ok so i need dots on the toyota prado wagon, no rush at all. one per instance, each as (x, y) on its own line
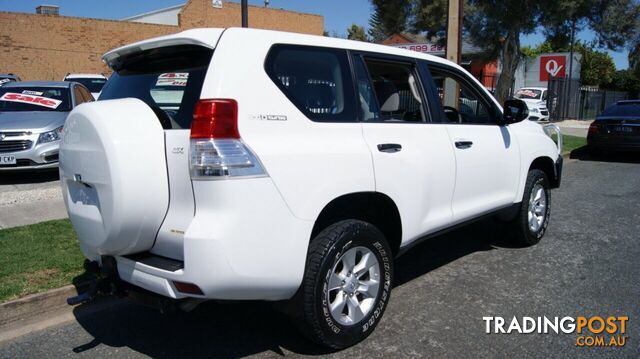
(245, 164)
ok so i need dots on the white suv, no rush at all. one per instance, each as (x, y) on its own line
(246, 164)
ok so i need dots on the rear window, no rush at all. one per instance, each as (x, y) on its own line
(622, 109)
(316, 80)
(34, 99)
(168, 79)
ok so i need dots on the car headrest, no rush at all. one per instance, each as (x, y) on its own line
(319, 97)
(388, 96)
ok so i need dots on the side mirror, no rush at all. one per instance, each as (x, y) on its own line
(514, 111)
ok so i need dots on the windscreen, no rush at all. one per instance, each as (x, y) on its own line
(168, 79)
(34, 99)
(93, 84)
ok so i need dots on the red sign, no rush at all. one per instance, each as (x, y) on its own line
(31, 99)
(552, 66)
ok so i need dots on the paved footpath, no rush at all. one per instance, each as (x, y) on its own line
(586, 265)
(30, 197)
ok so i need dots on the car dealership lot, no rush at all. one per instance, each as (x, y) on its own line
(586, 265)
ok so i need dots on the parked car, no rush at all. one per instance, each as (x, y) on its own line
(617, 128)
(4, 78)
(293, 167)
(94, 82)
(536, 100)
(32, 114)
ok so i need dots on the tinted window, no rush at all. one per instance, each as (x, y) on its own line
(94, 85)
(461, 103)
(168, 79)
(316, 80)
(369, 110)
(35, 99)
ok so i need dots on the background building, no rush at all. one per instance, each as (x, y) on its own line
(46, 46)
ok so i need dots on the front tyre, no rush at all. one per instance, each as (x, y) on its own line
(532, 220)
(347, 283)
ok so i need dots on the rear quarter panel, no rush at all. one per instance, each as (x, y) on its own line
(311, 163)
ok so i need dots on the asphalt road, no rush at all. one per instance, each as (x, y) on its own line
(586, 265)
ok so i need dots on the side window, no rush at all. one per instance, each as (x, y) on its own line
(460, 103)
(392, 94)
(78, 95)
(88, 97)
(316, 80)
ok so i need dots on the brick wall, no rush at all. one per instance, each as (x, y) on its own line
(200, 13)
(43, 47)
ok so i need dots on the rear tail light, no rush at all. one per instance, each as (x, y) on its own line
(216, 148)
(593, 128)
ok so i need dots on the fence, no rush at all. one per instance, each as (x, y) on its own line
(568, 100)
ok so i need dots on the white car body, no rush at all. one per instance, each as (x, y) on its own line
(86, 77)
(130, 191)
(537, 106)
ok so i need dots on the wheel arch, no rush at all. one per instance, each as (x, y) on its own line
(546, 165)
(372, 207)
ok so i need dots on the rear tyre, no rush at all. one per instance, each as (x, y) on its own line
(346, 285)
(532, 219)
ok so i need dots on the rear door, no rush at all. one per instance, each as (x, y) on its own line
(486, 154)
(413, 159)
(169, 80)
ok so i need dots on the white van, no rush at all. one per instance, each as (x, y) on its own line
(291, 167)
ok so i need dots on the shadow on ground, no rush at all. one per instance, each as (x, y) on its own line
(584, 154)
(244, 328)
(25, 177)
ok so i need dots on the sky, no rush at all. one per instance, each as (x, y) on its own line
(338, 14)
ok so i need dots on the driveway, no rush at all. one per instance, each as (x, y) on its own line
(586, 265)
(30, 197)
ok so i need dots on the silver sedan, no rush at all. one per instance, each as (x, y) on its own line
(32, 114)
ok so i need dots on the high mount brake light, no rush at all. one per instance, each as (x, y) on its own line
(216, 149)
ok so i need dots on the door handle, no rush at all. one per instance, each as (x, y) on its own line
(464, 144)
(389, 147)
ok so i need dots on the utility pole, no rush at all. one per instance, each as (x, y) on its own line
(245, 13)
(454, 31)
(453, 51)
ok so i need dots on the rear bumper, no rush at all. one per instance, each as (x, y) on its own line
(614, 144)
(244, 245)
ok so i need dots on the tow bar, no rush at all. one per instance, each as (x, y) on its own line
(105, 281)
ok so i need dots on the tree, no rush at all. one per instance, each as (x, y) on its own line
(496, 26)
(430, 17)
(389, 17)
(625, 80)
(596, 67)
(356, 32)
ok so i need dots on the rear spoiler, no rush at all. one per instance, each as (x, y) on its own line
(200, 37)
